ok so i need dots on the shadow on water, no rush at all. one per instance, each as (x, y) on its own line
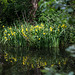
(22, 61)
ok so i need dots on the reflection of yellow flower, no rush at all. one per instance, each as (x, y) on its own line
(11, 61)
(32, 65)
(45, 63)
(40, 58)
(28, 63)
(6, 59)
(64, 62)
(52, 65)
(24, 60)
(3, 26)
(8, 39)
(59, 63)
(38, 66)
(23, 63)
(44, 33)
(15, 59)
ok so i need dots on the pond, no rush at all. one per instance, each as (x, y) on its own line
(23, 61)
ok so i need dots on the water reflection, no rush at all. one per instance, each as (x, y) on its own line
(21, 61)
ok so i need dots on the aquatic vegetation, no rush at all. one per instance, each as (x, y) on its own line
(34, 35)
(10, 58)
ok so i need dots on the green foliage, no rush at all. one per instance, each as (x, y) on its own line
(52, 13)
(39, 36)
(55, 13)
(14, 10)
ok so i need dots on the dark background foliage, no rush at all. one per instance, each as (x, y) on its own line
(12, 10)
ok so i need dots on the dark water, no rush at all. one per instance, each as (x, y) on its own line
(22, 61)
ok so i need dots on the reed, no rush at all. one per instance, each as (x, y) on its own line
(37, 36)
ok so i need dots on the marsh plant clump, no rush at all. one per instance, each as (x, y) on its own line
(30, 35)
